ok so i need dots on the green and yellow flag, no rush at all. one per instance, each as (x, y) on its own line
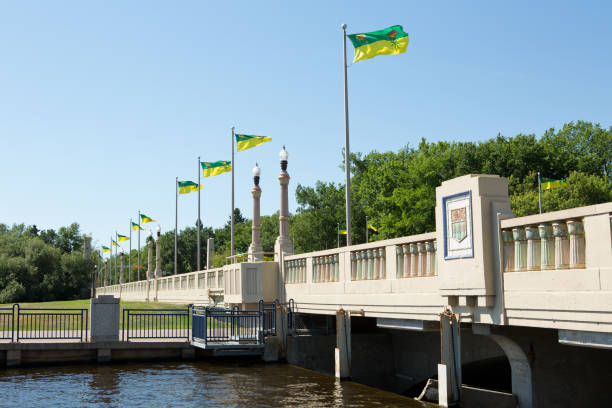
(342, 232)
(122, 238)
(215, 168)
(136, 227)
(392, 40)
(244, 142)
(372, 228)
(115, 243)
(105, 249)
(549, 184)
(186, 187)
(144, 219)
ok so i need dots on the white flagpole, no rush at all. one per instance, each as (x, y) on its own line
(347, 151)
(199, 222)
(130, 255)
(232, 213)
(176, 225)
(138, 244)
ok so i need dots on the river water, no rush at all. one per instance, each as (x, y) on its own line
(218, 383)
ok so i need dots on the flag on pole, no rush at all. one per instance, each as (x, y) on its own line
(210, 169)
(372, 228)
(244, 142)
(342, 232)
(114, 243)
(392, 40)
(105, 249)
(186, 187)
(549, 184)
(136, 227)
(122, 237)
(144, 219)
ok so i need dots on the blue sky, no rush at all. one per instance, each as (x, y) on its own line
(102, 104)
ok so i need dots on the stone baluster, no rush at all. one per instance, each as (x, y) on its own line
(435, 256)
(314, 269)
(561, 245)
(431, 258)
(399, 263)
(359, 265)
(327, 268)
(520, 249)
(353, 266)
(406, 252)
(577, 244)
(370, 256)
(508, 250)
(376, 264)
(547, 259)
(321, 269)
(304, 270)
(383, 263)
(330, 268)
(533, 248)
(422, 258)
(337, 267)
(414, 260)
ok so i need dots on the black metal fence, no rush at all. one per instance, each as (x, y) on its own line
(29, 323)
(228, 325)
(156, 323)
(268, 311)
(7, 318)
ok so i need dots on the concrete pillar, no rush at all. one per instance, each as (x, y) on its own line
(104, 318)
(450, 344)
(210, 252)
(342, 352)
(353, 265)
(561, 245)
(547, 253)
(283, 243)
(255, 249)
(281, 330)
(576, 244)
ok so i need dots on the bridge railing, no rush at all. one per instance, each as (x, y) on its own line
(228, 326)
(156, 324)
(7, 320)
(552, 241)
(406, 257)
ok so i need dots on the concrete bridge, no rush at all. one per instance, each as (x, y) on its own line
(484, 285)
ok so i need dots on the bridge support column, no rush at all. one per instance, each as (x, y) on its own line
(449, 371)
(342, 352)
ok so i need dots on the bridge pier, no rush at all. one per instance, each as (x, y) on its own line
(342, 352)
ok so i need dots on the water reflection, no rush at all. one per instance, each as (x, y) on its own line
(198, 384)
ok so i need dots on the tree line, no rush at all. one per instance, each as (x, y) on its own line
(394, 190)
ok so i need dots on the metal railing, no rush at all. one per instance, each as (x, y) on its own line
(7, 320)
(268, 311)
(49, 324)
(156, 323)
(230, 326)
